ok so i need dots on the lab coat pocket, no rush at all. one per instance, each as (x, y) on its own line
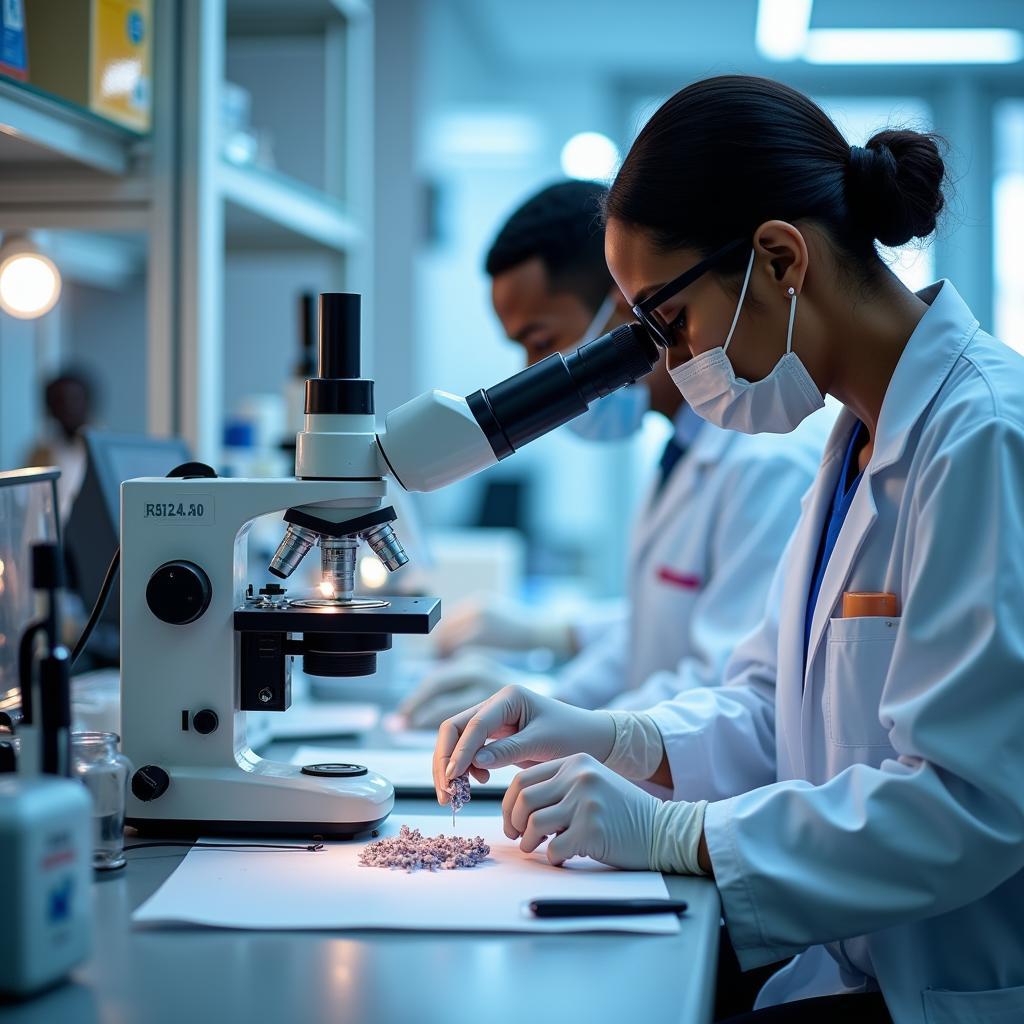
(857, 660)
(997, 1006)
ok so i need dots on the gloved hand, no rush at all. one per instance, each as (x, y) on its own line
(503, 624)
(459, 684)
(587, 809)
(525, 727)
(590, 811)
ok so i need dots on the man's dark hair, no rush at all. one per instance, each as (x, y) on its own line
(562, 226)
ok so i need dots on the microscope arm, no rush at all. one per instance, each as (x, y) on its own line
(438, 438)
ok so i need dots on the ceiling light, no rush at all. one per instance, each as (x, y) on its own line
(782, 28)
(914, 46)
(590, 156)
(29, 281)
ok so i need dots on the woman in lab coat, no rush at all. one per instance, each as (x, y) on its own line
(856, 787)
(707, 537)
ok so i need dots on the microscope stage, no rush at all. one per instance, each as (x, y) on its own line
(401, 615)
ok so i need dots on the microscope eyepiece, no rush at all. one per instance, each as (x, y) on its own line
(615, 359)
(559, 388)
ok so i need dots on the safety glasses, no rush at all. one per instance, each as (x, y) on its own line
(647, 311)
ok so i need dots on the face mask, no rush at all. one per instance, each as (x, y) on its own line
(620, 414)
(775, 405)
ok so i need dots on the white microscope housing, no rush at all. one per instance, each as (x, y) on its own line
(201, 645)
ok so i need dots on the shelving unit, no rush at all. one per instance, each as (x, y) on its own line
(182, 204)
(268, 210)
(35, 128)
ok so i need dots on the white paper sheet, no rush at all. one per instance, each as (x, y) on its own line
(330, 890)
(407, 770)
(310, 719)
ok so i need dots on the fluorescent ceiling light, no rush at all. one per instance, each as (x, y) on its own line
(487, 133)
(914, 46)
(782, 28)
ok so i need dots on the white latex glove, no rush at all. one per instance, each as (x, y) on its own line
(504, 624)
(459, 684)
(587, 809)
(591, 811)
(525, 727)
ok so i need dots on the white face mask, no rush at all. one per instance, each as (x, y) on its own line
(620, 414)
(774, 405)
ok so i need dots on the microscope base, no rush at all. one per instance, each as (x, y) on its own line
(303, 829)
(258, 797)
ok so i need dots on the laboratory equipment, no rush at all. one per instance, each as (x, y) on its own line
(98, 765)
(44, 819)
(202, 645)
(28, 515)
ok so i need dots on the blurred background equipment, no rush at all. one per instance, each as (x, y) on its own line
(94, 526)
(45, 840)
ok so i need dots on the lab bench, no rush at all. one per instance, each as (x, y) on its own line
(188, 975)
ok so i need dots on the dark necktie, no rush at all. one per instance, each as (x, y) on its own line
(673, 452)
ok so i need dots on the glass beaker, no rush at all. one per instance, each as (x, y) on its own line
(104, 771)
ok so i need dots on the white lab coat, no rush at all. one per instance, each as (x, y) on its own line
(876, 803)
(701, 559)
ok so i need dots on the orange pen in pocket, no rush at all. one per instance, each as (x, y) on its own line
(865, 604)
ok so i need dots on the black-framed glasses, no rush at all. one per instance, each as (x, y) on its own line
(647, 311)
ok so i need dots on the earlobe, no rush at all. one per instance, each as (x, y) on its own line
(786, 252)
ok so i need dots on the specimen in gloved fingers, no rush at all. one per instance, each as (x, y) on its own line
(458, 789)
(411, 850)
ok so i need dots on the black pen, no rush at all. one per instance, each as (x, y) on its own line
(604, 908)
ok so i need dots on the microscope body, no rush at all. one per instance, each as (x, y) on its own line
(187, 683)
(201, 647)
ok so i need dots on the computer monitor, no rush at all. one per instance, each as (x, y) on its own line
(94, 526)
(28, 515)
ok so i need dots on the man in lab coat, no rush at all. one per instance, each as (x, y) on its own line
(708, 534)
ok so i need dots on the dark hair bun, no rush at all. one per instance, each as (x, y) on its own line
(894, 185)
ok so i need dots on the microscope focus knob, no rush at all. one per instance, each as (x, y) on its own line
(149, 782)
(178, 592)
(204, 722)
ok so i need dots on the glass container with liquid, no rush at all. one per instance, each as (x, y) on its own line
(104, 771)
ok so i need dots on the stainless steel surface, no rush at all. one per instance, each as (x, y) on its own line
(196, 975)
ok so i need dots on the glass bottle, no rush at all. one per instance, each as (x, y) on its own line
(104, 771)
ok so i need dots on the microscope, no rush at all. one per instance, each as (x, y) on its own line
(202, 645)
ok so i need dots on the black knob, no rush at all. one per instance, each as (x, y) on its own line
(178, 592)
(149, 782)
(205, 721)
(272, 590)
